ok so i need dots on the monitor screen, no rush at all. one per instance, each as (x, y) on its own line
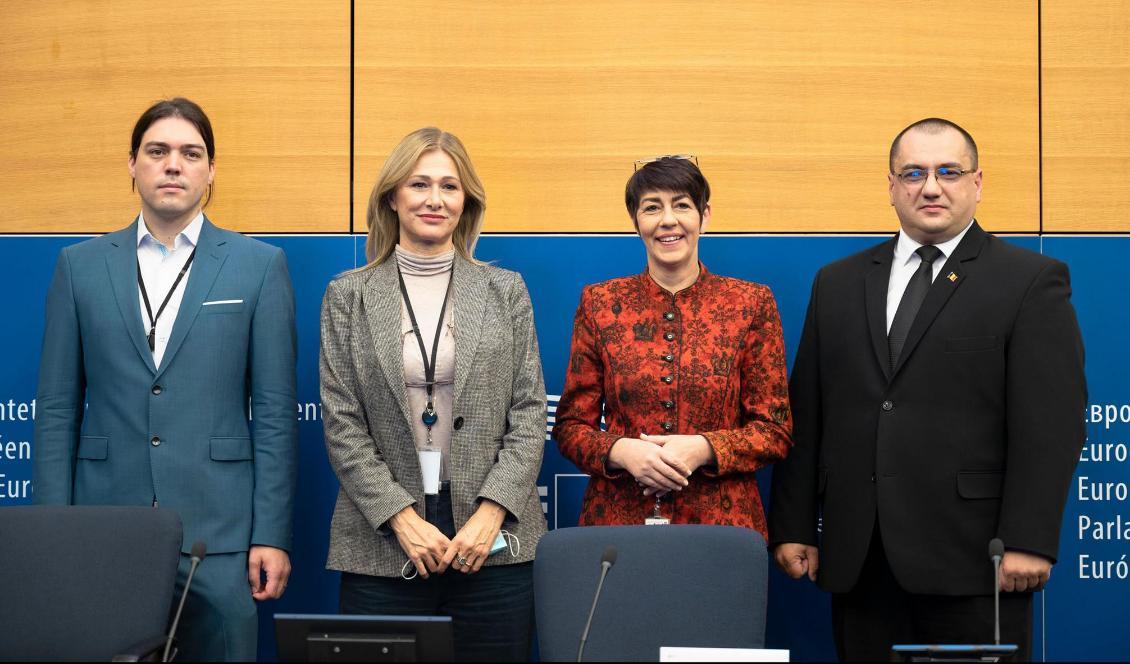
(350, 638)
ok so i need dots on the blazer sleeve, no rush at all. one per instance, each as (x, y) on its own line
(765, 433)
(355, 457)
(273, 353)
(795, 490)
(1046, 396)
(59, 395)
(512, 478)
(577, 423)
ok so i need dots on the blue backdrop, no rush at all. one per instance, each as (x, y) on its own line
(1081, 615)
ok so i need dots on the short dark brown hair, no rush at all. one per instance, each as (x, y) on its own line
(678, 176)
(177, 107)
(933, 126)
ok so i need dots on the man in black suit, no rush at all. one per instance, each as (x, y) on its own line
(938, 398)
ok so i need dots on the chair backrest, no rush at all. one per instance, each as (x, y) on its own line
(84, 583)
(690, 586)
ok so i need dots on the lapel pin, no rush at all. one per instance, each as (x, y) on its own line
(952, 276)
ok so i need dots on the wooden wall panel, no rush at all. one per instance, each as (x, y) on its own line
(1086, 115)
(76, 74)
(790, 107)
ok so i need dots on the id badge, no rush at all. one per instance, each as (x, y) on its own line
(657, 521)
(429, 469)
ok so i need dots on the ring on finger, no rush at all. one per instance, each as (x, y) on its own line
(462, 560)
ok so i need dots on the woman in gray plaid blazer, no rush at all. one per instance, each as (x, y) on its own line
(434, 412)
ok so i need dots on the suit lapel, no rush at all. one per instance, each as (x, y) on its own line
(875, 286)
(468, 309)
(122, 264)
(949, 279)
(382, 303)
(211, 252)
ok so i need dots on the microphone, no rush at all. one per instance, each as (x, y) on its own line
(198, 552)
(996, 552)
(606, 562)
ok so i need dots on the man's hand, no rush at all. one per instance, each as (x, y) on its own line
(798, 559)
(1024, 571)
(422, 542)
(269, 563)
(653, 466)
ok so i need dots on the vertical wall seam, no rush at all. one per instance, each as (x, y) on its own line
(352, 37)
(1040, 112)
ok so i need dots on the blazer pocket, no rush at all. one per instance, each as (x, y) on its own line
(231, 449)
(979, 484)
(93, 447)
(221, 308)
(972, 344)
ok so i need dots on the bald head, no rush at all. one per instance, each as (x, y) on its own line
(934, 126)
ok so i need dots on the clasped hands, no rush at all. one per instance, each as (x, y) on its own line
(431, 551)
(661, 463)
(1020, 571)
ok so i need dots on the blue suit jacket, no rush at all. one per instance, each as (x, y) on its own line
(181, 434)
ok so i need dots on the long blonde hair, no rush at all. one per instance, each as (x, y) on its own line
(384, 224)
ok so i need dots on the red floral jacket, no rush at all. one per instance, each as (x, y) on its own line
(707, 360)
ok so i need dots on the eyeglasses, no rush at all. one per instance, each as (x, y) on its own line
(920, 175)
(639, 163)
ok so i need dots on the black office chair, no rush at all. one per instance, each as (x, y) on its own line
(688, 586)
(86, 583)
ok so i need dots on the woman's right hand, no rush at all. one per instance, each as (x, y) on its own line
(422, 542)
(651, 465)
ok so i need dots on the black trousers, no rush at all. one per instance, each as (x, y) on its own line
(878, 614)
(492, 610)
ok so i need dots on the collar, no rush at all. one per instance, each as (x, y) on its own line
(650, 286)
(190, 236)
(905, 246)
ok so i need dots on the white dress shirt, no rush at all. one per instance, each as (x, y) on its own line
(905, 264)
(159, 269)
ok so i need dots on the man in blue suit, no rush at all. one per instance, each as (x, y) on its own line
(162, 341)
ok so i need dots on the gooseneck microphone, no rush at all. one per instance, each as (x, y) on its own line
(198, 552)
(606, 562)
(996, 552)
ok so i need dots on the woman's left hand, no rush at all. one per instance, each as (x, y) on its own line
(470, 547)
(694, 451)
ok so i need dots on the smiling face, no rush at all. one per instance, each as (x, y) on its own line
(934, 211)
(669, 225)
(172, 170)
(428, 203)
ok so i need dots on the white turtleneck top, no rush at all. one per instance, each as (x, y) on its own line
(425, 279)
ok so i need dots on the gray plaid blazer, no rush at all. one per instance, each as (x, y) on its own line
(499, 393)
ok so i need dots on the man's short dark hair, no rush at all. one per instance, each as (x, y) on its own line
(177, 107)
(934, 126)
(678, 176)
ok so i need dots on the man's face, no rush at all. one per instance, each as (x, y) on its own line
(172, 169)
(934, 210)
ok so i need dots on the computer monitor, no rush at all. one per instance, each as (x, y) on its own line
(351, 638)
(953, 653)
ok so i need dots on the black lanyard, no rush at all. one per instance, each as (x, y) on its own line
(429, 416)
(152, 336)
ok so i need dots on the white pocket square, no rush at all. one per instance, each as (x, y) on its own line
(222, 302)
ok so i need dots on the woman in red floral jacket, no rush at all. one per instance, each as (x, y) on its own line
(687, 368)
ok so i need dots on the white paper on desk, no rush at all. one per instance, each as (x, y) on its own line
(429, 468)
(668, 654)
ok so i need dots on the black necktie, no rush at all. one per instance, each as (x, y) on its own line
(911, 300)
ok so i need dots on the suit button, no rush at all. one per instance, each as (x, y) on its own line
(156, 389)
(872, 478)
(670, 315)
(667, 426)
(669, 336)
(888, 405)
(154, 441)
(667, 379)
(457, 424)
(668, 404)
(668, 358)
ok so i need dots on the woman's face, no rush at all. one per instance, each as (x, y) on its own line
(669, 225)
(428, 203)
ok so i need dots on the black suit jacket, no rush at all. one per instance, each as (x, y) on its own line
(973, 435)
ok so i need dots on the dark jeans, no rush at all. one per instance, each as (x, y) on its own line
(492, 611)
(878, 613)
